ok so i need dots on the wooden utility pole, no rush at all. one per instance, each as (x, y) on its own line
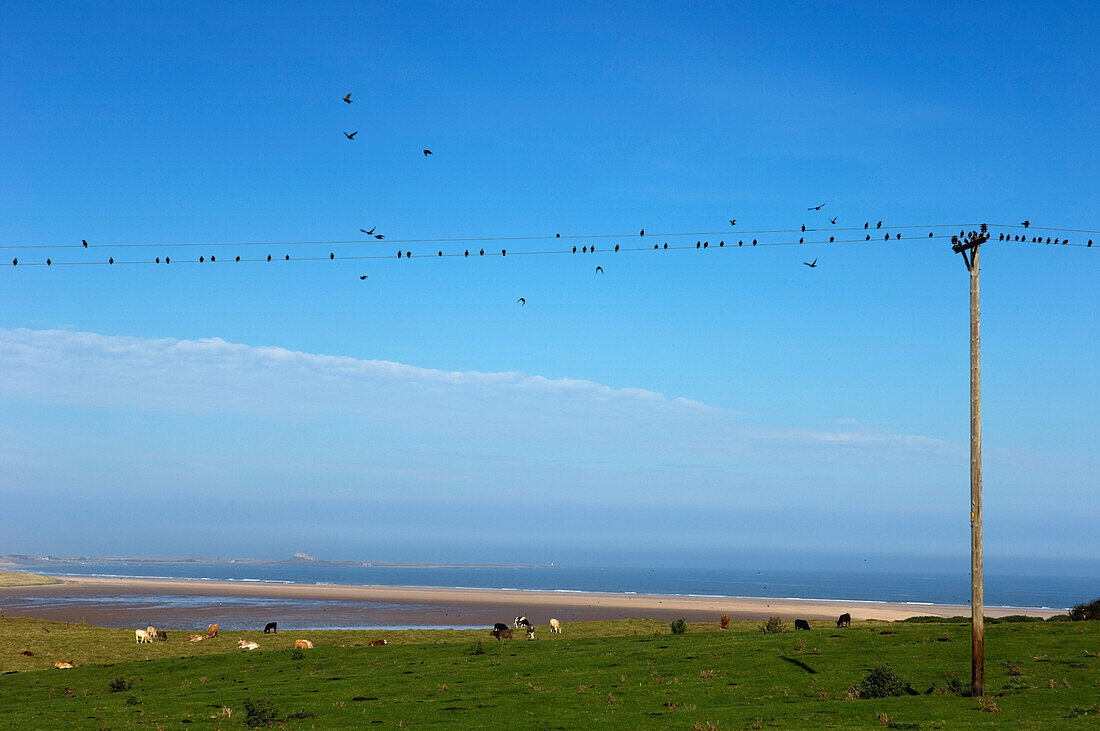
(977, 601)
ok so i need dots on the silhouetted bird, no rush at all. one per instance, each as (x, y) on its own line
(211, 257)
(833, 219)
(379, 236)
(887, 237)
(362, 277)
(1002, 237)
(200, 260)
(467, 254)
(879, 225)
(868, 237)
(599, 269)
(811, 265)
(706, 244)
(557, 236)
(287, 257)
(832, 239)
(167, 260)
(1089, 244)
(237, 259)
(616, 247)
(666, 245)
(816, 208)
(15, 261)
(427, 152)
(504, 252)
(655, 247)
(331, 256)
(574, 249)
(721, 243)
(929, 234)
(439, 253)
(866, 224)
(801, 240)
(348, 98)
(111, 260)
(522, 302)
(351, 135)
(733, 221)
(803, 228)
(584, 249)
(754, 242)
(698, 244)
(642, 232)
(399, 252)
(368, 233)
(1025, 224)
(481, 253)
(741, 243)
(269, 257)
(48, 262)
(85, 242)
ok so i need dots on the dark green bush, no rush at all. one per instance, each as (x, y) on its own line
(1085, 612)
(679, 627)
(260, 713)
(773, 626)
(477, 648)
(297, 654)
(881, 682)
(120, 684)
(133, 701)
(1058, 618)
(1013, 618)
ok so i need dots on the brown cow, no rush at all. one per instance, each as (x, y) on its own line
(162, 635)
(502, 634)
(62, 665)
(212, 631)
(724, 623)
(195, 638)
(376, 643)
(303, 645)
(844, 621)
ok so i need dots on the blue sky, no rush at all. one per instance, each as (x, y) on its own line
(683, 405)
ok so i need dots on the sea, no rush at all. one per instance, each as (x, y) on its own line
(1053, 591)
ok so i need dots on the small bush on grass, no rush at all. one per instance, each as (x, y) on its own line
(260, 713)
(1059, 618)
(477, 648)
(1085, 612)
(881, 682)
(773, 626)
(120, 684)
(297, 654)
(133, 701)
(679, 627)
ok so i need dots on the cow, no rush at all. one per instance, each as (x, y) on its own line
(212, 631)
(162, 635)
(376, 643)
(27, 653)
(801, 624)
(141, 636)
(724, 622)
(62, 665)
(243, 644)
(844, 621)
(521, 621)
(195, 638)
(271, 627)
(530, 632)
(555, 626)
(500, 625)
(303, 645)
(502, 634)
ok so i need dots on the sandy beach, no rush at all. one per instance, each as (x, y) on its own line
(180, 604)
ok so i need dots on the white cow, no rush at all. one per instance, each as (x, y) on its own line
(555, 626)
(141, 635)
(242, 644)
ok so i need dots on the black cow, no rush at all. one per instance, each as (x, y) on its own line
(801, 624)
(500, 626)
(502, 634)
(271, 627)
(162, 635)
(844, 621)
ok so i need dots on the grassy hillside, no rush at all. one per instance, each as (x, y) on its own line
(614, 674)
(22, 578)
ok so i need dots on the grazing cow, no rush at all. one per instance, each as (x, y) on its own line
(195, 638)
(303, 645)
(724, 623)
(212, 631)
(151, 630)
(62, 665)
(376, 643)
(271, 627)
(844, 621)
(801, 624)
(243, 644)
(27, 653)
(530, 632)
(161, 635)
(502, 634)
(141, 636)
(555, 626)
(500, 625)
(521, 621)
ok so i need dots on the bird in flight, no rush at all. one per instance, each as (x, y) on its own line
(522, 302)
(368, 233)
(351, 135)
(811, 265)
(362, 277)
(816, 208)
(733, 221)
(1025, 224)
(599, 269)
(379, 236)
(347, 98)
(85, 242)
(833, 219)
(427, 152)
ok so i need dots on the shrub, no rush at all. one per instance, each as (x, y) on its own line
(679, 627)
(477, 648)
(119, 685)
(1059, 618)
(297, 654)
(1085, 612)
(773, 625)
(260, 713)
(133, 701)
(881, 682)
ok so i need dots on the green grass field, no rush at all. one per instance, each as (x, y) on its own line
(22, 578)
(626, 674)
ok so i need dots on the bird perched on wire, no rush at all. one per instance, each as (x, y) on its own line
(347, 98)
(812, 264)
(351, 135)
(1025, 224)
(642, 232)
(816, 208)
(85, 242)
(522, 302)
(879, 225)
(427, 152)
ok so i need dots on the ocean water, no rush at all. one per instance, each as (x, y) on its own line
(1050, 591)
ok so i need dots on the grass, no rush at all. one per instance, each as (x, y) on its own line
(22, 578)
(628, 674)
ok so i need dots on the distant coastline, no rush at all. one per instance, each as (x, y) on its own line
(30, 561)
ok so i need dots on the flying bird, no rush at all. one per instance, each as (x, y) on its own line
(368, 233)
(733, 221)
(599, 269)
(348, 98)
(362, 277)
(522, 302)
(833, 219)
(379, 236)
(811, 265)
(351, 135)
(815, 208)
(427, 152)
(85, 242)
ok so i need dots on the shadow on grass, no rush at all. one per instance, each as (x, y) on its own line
(800, 664)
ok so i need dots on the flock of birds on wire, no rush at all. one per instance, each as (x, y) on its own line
(372, 232)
